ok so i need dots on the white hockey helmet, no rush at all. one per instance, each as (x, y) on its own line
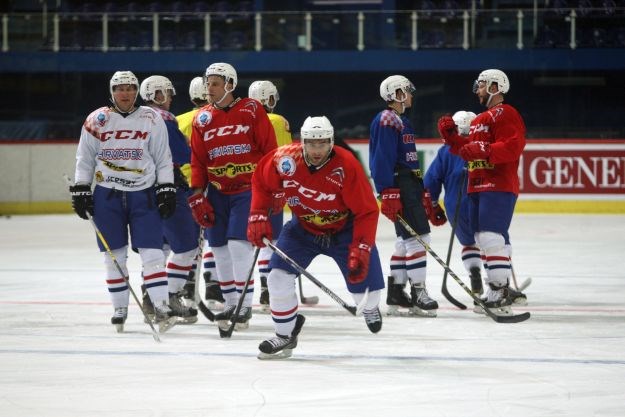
(263, 91)
(224, 70)
(314, 129)
(389, 87)
(155, 83)
(491, 76)
(197, 90)
(123, 78)
(463, 121)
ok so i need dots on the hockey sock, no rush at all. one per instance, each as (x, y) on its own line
(416, 259)
(118, 289)
(208, 261)
(225, 273)
(497, 257)
(154, 275)
(243, 252)
(283, 301)
(373, 299)
(177, 269)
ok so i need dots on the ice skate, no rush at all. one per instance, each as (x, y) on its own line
(517, 297)
(243, 319)
(396, 297)
(423, 305)
(148, 307)
(498, 300)
(223, 317)
(264, 295)
(188, 292)
(187, 314)
(119, 318)
(281, 347)
(213, 291)
(373, 318)
(163, 317)
(476, 281)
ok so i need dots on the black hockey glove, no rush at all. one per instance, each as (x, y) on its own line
(166, 200)
(82, 200)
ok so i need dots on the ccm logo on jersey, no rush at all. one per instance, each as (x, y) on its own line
(307, 192)
(225, 131)
(122, 134)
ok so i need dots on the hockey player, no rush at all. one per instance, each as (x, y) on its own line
(199, 97)
(228, 138)
(267, 94)
(492, 149)
(180, 230)
(334, 214)
(397, 177)
(126, 148)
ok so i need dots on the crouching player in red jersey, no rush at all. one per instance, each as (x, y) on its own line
(493, 149)
(334, 213)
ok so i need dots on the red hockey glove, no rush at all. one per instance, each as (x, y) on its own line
(202, 210)
(391, 204)
(279, 200)
(475, 150)
(435, 213)
(358, 262)
(448, 131)
(258, 227)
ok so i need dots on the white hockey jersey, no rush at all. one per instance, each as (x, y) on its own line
(126, 153)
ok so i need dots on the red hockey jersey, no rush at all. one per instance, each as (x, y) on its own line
(502, 127)
(322, 200)
(226, 145)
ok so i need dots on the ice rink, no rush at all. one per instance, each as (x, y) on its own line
(60, 357)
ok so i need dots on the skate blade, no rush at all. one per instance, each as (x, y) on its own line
(394, 310)
(119, 328)
(242, 326)
(417, 312)
(283, 354)
(165, 325)
(188, 320)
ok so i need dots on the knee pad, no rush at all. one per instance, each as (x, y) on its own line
(121, 255)
(492, 243)
(184, 258)
(153, 260)
(414, 246)
(281, 284)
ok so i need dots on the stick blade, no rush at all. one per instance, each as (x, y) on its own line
(206, 311)
(310, 300)
(517, 318)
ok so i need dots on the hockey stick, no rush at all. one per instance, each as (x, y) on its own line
(306, 300)
(196, 296)
(352, 309)
(119, 268)
(444, 290)
(499, 319)
(233, 319)
(524, 284)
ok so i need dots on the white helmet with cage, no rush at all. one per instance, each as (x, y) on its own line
(224, 70)
(197, 90)
(463, 121)
(315, 129)
(263, 91)
(154, 83)
(491, 76)
(389, 87)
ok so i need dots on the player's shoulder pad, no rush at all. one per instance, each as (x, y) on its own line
(97, 119)
(389, 118)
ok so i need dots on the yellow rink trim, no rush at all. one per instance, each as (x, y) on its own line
(522, 206)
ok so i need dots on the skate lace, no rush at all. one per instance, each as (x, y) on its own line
(176, 304)
(277, 342)
(372, 316)
(422, 295)
(494, 295)
(120, 312)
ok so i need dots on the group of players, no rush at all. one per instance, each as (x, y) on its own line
(223, 172)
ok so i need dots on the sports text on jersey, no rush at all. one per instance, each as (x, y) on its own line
(225, 131)
(322, 220)
(307, 192)
(480, 164)
(123, 154)
(232, 170)
(229, 150)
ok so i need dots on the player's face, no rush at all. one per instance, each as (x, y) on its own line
(216, 87)
(317, 150)
(163, 100)
(482, 92)
(124, 96)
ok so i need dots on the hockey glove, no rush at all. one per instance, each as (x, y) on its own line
(435, 213)
(258, 226)
(391, 203)
(202, 210)
(358, 262)
(82, 200)
(279, 200)
(475, 150)
(448, 131)
(166, 200)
